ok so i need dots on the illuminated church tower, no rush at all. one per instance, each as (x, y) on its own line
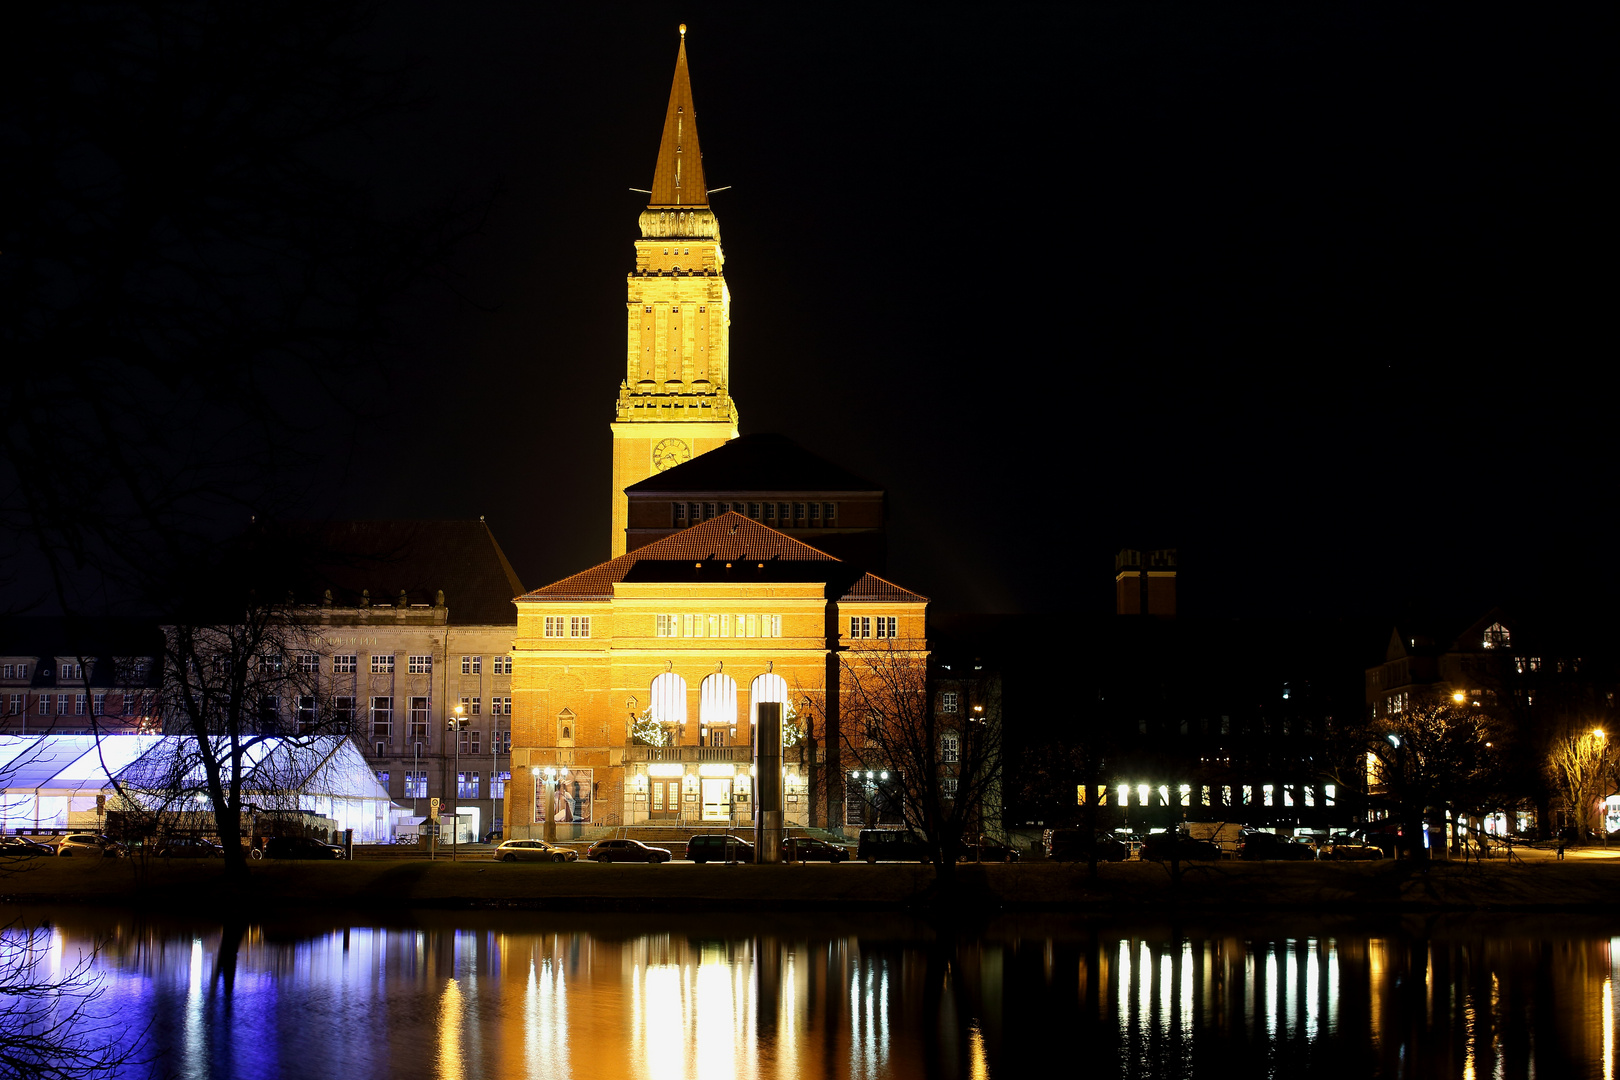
(674, 402)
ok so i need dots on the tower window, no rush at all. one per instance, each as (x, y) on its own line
(770, 511)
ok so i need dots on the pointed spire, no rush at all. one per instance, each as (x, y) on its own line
(678, 179)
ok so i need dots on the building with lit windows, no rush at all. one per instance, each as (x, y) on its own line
(636, 682)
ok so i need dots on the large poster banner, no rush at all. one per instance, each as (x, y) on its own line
(569, 801)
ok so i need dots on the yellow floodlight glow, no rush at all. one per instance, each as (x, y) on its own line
(1459, 697)
(666, 770)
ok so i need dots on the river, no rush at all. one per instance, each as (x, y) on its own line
(455, 996)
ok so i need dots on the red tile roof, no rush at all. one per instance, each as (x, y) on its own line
(871, 587)
(731, 537)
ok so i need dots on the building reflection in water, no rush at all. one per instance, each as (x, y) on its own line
(609, 998)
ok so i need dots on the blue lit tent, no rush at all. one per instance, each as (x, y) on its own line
(53, 781)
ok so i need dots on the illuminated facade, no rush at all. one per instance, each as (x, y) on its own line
(674, 402)
(636, 681)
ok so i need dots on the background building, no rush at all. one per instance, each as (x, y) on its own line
(66, 677)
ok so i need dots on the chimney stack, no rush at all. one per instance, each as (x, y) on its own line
(1145, 582)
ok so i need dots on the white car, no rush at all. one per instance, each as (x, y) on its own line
(534, 851)
(81, 844)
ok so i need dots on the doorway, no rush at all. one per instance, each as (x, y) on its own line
(716, 799)
(666, 797)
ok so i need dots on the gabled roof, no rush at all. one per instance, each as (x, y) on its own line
(873, 588)
(678, 177)
(731, 537)
(421, 558)
(755, 463)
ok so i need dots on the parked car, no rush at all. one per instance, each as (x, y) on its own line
(1075, 845)
(626, 851)
(809, 849)
(534, 851)
(719, 847)
(1264, 845)
(187, 847)
(891, 845)
(82, 844)
(300, 847)
(20, 847)
(1162, 847)
(988, 851)
(1344, 846)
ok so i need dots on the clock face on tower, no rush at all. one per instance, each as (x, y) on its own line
(670, 453)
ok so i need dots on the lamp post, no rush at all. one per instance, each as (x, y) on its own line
(549, 831)
(456, 725)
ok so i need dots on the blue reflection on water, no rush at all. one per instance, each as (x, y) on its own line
(724, 997)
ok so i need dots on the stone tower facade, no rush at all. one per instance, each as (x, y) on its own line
(674, 402)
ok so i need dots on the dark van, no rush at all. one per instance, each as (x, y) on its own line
(891, 845)
(719, 847)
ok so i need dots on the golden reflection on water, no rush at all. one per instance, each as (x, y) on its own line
(555, 1004)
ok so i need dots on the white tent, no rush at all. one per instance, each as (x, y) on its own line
(53, 781)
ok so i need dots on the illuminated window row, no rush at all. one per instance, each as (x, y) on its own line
(1244, 794)
(568, 626)
(785, 515)
(724, 626)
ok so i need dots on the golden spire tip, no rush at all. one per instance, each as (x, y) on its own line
(683, 29)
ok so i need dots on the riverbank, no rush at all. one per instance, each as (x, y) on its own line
(378, 884)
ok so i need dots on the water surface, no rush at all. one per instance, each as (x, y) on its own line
(723, 996)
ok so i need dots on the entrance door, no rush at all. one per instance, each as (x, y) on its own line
(666, 797)
(716, 799)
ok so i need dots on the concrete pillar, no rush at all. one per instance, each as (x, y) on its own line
(768, 783)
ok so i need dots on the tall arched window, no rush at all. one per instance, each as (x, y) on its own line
(767, 687)
(719, 701)
(669, 699)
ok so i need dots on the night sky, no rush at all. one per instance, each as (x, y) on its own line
(1320, 295)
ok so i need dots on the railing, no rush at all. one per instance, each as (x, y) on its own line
(792, 755)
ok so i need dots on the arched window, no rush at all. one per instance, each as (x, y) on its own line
(767, 687)
(669, 699)
(719, 701)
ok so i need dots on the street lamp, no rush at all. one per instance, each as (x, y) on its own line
(457, 725)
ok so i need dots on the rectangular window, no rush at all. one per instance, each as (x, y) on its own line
(860, 626)
(947, 701)
(579, 626)
(477, 737)
(470, 704)
(419, 718)
(669, 626)
(770, 511)
(503, 665)
(420, 665)
(467, 786)
(556, 626)
(497, 784)
(382, 780)
(100, 704)
(19, 704)
(753, 510)
(714, 626)
(45, 704)
(776, 625)
(501, 706)
(382, 717)
(680, 514)
(416, 785)
(828, 514)
(506, 742)
(306, 714)
(753, 625)
(9, 670)
(343, 709)
(345, 665)
(708, 511)
(1268, 792)
(815, 515)
(949, 748)
(725, 626)
(798, 513)
(1329, 791)
(886, 625)
(382, 663)
(686, 624)
(947, 787)
(309, 663)
(474, 665)
(78, 704)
